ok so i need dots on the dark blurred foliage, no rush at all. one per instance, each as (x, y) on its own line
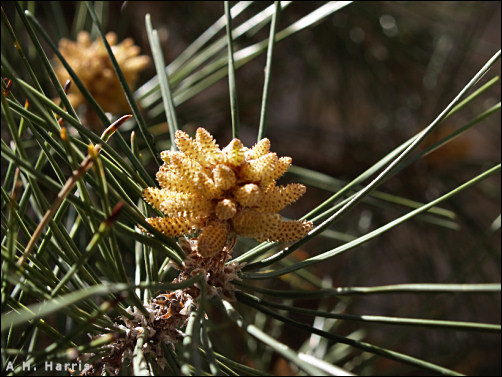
(343, 94)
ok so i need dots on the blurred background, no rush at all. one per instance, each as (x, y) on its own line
(343, 94)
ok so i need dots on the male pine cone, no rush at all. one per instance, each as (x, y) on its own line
(223, 193)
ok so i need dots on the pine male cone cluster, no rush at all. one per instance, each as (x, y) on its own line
(223, 193)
